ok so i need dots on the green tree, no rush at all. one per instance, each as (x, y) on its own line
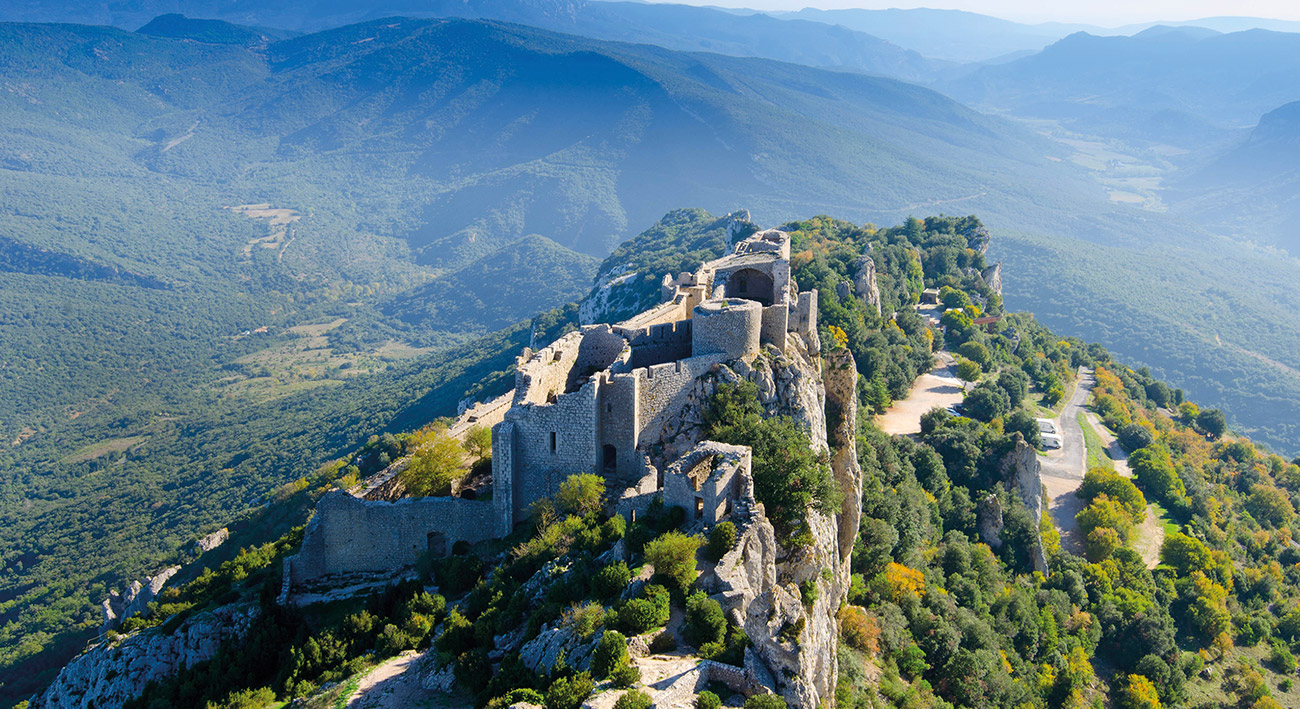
(1105, 512)
(1212, 421)
(436, 461)
(672, 555)
(986, 402)
(1102, 481)
(968, 371)
(1015, 383)
(609, 655)
(478, 441)
(581, 494)
(977, 353)
(569, 692)
(790, 477)
(721, 539)
(1269, 505)
(705, 622)
(1154, 470)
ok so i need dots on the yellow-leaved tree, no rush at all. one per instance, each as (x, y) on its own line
(437, 460)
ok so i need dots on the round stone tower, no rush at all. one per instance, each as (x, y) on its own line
(728, 326)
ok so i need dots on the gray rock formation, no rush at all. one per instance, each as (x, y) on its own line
(864, 281)
(110, 673)
(989, 518)
(758, 581)
(1020, 471)
(212, 541)
(118, 607)
(541, 653)
(992, 277)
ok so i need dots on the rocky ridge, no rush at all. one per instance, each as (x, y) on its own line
(113, 672)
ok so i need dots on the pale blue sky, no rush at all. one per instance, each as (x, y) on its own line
(1102, 12)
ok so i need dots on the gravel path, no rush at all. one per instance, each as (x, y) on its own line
(391, 686)
(938, 387)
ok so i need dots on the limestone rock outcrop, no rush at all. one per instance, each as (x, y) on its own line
(1021, 472)
(211, 541)
(864, 281)
(795, 645)
(110, 673)
(992, 277)
(118, 607)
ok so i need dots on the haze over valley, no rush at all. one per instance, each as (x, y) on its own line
(239, 239)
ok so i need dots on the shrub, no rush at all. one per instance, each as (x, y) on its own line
(584, 619)
(581, 494)
(614, 529)
(638, 615)
(611, 580)
(705, 622)
(625, 675)
(658, 595)
(435, 462)
(634, 699)
(393, 641)
(765, 701)
(569, 692)
(707, 700)
(673, 556)
(525, 696)
(609, 655)
(721, 540)
(808, 592)
(859, 630)
(473, 670)
(1134, 436)
(663, 642)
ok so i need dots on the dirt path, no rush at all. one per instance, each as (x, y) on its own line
(938, 387)
(392, 686)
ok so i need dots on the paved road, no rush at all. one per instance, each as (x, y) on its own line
(1063, 469)
(938, 387)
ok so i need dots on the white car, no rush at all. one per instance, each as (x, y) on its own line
(1046, 426)
(1051, 442)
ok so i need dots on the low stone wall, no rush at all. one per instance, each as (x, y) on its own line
(349, 535)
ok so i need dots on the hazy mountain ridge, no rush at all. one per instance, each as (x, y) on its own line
(1113, 85)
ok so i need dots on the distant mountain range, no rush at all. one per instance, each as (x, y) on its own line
(1181, 86)
(680, 27)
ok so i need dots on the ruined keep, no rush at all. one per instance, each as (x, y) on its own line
(625, 401)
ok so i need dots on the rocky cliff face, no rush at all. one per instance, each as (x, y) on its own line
(118, 607)
(993, 277)
(109, 674)
(864, 281)
(1020, 471)
(795, 643)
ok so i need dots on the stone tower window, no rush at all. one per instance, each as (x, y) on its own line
(552, 441)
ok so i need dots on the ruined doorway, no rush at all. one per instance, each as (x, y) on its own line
(750, 284)
(437, 542)
(610, 459)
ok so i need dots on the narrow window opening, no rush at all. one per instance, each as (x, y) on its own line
(552, 441)
(699, 507)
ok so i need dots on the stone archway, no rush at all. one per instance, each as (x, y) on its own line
(750, 284)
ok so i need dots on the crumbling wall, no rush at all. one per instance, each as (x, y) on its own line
(550, 443)
(717, 488)
(656, 344)
(348, 535)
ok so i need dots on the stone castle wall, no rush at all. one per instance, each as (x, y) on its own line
(349, 535)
